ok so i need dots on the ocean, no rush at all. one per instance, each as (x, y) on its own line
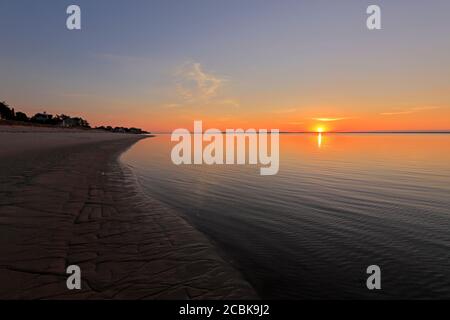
(339, 203)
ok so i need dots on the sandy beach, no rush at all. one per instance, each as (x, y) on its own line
(65, 199)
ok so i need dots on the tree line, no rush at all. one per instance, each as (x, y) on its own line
(62, 120)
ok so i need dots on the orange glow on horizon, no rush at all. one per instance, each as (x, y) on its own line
(162, 122)
(304, 120)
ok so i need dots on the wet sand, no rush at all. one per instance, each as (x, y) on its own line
(65, 199)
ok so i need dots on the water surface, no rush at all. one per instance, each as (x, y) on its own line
(337, 205)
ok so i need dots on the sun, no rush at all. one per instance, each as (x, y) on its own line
(320, 129)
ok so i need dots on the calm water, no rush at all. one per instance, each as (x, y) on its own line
(333, 209)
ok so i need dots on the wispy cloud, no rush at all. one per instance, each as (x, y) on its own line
(331, 119)
(196, 86)
(194, 83)
(173, 105)
(409, 111)
(230, 102)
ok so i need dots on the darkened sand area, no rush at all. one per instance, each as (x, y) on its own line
(65, 199)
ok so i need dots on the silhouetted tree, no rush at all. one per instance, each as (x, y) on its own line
(5, 112)
(44, 118)
(20, 116)
(8, 113)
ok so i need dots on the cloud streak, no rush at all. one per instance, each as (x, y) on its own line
(331, 119)
(408, 111)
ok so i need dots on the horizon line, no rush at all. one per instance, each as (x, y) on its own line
(337, 132)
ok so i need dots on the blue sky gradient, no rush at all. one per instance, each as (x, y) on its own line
(267, 56)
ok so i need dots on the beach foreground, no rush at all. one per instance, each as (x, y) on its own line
(66, 200)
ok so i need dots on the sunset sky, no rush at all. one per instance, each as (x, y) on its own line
(292, 65)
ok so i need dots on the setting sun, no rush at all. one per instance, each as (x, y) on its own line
(320, 129)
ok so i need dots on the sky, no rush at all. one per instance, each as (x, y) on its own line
(288, 65)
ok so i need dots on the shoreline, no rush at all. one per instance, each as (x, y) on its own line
(67, 199)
